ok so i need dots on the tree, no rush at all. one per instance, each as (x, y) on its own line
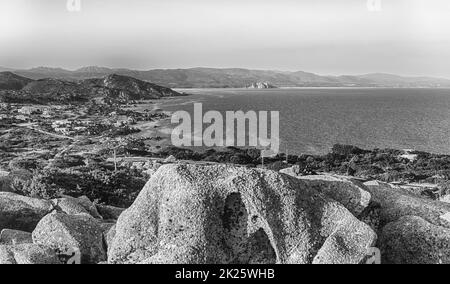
(115, 144)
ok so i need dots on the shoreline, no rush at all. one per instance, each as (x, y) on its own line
(309, 88)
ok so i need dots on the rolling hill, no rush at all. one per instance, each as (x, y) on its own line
(125, 88)
(111, 88)
(11, 81)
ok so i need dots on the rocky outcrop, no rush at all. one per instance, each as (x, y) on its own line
(261, 85)
(396, 203)
(14, 237)
(211, 213)
(412, 229)
(412, 240)
(353, 195)
(22, 213)
(27, 254)
(63, 233)
(195, 214)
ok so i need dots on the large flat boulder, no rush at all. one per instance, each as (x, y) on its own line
(22, 213)
(194, 214)
(27, 254)
(352, 194)
(412, 240)
(65, 233)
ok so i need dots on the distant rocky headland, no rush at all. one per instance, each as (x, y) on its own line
(261, 85)
(235, 77)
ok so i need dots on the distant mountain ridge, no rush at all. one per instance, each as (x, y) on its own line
(235, 77)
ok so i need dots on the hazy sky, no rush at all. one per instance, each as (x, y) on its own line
(410, 37)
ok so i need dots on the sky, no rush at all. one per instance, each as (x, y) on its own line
(328, 37)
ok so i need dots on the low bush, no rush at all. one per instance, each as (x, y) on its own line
(110, 187)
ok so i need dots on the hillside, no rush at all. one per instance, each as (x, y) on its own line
(127, 88)
(45, 91)
(11, 81)
(55, 86)
(48, 91)
(237, 78)
(112, 88)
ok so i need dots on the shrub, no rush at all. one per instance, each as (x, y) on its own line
(113, 188)
(25, 164)
(347, 150)
(254, 154)
(239, 159)
(278, 166)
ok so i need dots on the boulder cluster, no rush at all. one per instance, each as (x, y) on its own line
(35, 231)
(224, 214)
